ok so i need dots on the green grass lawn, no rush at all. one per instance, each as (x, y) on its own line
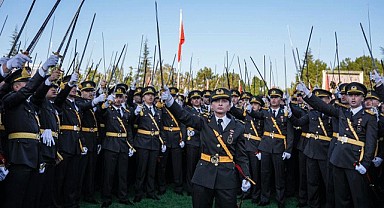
(170, 200)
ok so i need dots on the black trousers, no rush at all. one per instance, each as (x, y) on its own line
(89, 178)
(303, 194)
(146, 169)
(202, 197)
(317, 173)
(351, 190)
(45, 187)
(19, 187)
(83, 161)
(271, 162)
(67, 177)
(255, 171)
(115, 161)
(176, 158)
(193, 155)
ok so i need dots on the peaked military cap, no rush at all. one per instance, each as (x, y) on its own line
(138, 91)
(194, 94)
(356, 88)
(246, 95)
(275, 92)
(87, 85)
(149, 90)
(342, 88)
(173, 91)
(21, 75)
(207, 93)
(371, 94)
(258, 100)
(322, 93)
(220, 93)
(235, 93)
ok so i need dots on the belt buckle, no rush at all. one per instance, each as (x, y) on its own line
(316, 136)
(344, 139)
(91, 129)
(272, 135)
(76, 128)
(170, 129)
(119, 135)
(308, 135)
(215, 159)
(38, 136)
(249, 136)
(152, 133)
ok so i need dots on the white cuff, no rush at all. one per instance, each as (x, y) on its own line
(41, 72)
(169, 103)
(47, 82)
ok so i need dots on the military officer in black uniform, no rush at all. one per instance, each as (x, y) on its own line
(192, 140)
(206, 106)
(23, 128)
(49, 127)
(117, 147)
(89, 130)
(173, 139)
(148, 141)
(69, 144)
(222, 147)
(253, 131)
(316, 148)
(355, 145)
(275, 146)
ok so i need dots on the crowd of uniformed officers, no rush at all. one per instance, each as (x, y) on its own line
(62, 139)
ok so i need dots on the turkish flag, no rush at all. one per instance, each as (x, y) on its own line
(181, 37)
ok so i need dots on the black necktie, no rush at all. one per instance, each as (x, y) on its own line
(150, 109)
(119, 112)
(274, 113)
(219, 122)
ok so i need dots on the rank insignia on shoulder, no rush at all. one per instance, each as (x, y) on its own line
(341, 105)
(265, 108)
(370, 112)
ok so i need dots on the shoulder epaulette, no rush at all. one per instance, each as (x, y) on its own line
(370, 112)
(341, 105)
(265, 108)
(381, 114)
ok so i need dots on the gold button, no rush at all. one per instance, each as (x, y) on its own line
(218, 145)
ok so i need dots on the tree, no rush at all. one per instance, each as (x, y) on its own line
(13, 40)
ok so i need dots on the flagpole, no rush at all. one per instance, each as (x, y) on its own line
(181, 41)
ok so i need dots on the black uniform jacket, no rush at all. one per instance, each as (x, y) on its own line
(195, 139)
(272, 144)
(316, 148)
(144, 122)
(89, 124)
(224, 175)
(365, 125)
(116, 123)
(21, 116)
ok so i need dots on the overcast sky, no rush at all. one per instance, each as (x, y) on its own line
(212, 27)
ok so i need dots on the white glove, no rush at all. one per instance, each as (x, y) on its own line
(74, 78)
(85, 150)
(182, 144)
(302, 88)
(133, 85)
(18, 61)
(138, 109)
(186, 93)
(4, 60)
(48, 138)
(190, 133)
(51, 61)
(42, 168)
(111, 98)
(361, 169)
(245, 185)
(166, 96)
(286, 155)
(98, 99)
(258, 155)
(377, 161)
(98, 148)
(249, 108)
(3, 172)
(163, 148)
(130, 152)
(375, 77)
(288, 110)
